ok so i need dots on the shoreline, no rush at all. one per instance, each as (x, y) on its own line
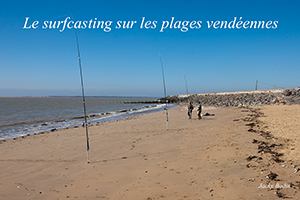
(39, 127)
(137, 158)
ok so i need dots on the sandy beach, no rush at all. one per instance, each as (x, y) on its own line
(137, 158)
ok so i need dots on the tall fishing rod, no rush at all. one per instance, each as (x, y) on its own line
(165, 92)
(83, 98)
(186, 86)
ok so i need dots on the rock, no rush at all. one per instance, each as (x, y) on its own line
(242, 99)
(287, 92)
(272, 176)
(296, 91)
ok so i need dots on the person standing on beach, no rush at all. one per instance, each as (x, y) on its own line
(199, 110)
(190, 110)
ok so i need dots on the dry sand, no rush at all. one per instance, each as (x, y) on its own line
(137, 158)
(284, 122)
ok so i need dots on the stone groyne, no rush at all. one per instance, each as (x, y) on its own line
(242, 98)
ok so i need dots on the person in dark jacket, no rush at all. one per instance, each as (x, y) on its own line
(190, 110)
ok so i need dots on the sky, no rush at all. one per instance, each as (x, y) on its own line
(37, 60)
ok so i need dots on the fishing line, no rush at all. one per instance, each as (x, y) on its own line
(62, 16)
(165, 92)
(83, 98)
(270, 85)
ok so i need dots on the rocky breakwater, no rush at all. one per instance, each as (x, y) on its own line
(245, 98)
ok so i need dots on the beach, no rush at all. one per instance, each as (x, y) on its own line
(138, 158)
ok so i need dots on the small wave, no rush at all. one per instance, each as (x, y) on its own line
(23, 129)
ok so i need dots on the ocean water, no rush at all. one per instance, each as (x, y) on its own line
(22, 116)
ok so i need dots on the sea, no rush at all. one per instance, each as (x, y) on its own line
(21, 116)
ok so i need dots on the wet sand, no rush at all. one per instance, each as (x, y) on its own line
(137, 158)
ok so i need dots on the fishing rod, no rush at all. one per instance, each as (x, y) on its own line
(165, 92)
(186, 86)
(83, 98)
